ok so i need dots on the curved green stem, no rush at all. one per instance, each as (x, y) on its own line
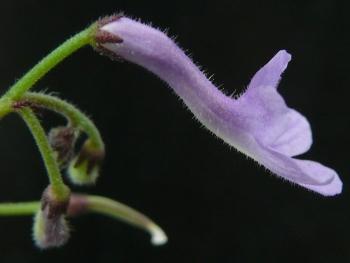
(59, 189)
(112, 208)
(5, 107)
(50, 61)
(94, 204)
(73, 114)
(19, 209)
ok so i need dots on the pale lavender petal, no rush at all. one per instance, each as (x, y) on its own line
(334, 188)
(270, 74)
(309, 174)
(288, 131)
(259, 123)
(291, 135)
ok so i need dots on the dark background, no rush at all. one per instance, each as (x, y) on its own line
(214, 204)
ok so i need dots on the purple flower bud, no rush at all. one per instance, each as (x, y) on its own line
(259, 123)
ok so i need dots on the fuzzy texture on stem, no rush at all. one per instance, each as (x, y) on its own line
(75, 117)
(50, 61)
(258, 123)
(84, 168)
(60, 190)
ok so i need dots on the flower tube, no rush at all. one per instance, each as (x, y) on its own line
(258, 123)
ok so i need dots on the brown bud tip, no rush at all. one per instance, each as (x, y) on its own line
(93, 156)
(102, 37)
(51, 206)
(62, 140)
(84, 169)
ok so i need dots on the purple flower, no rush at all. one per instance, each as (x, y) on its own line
(258, 123)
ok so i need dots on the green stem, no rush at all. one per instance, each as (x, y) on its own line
(59, 189)
(50, 61)
(117, 210)
(19, 209)
(74, 115)
(94, 204)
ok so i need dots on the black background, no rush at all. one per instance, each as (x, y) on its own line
(214, 204)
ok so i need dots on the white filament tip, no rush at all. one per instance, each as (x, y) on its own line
(158, 235)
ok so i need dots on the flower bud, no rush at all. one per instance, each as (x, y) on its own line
(62, 140)
(50, 226)
(84, 169)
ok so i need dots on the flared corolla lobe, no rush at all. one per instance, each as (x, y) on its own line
(258, 123)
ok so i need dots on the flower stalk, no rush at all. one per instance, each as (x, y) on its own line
(82, 204)
(59, 189)
(27, 81)
(50, 61)
(75, 117)
(50, 226)
(117, 210)
(19, 209)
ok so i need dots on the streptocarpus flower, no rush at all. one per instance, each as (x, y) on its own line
(258, 123)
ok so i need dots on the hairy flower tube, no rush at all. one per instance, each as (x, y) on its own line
(258, 123)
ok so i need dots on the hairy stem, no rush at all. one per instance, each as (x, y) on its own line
(50, 61)
(94, 204)
(59, 189)
(74, 115)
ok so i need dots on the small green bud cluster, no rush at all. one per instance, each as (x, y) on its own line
(58, 150)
